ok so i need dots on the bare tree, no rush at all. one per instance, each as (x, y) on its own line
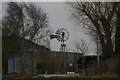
(26, 21)
(38, 23)
(99, 19)
(85, 48)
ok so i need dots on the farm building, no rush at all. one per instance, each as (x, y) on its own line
(39, 59)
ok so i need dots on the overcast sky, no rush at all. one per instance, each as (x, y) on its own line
(59, 17)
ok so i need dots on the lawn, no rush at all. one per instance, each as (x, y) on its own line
(62, 78)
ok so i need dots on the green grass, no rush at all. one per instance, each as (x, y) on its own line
(63, 78)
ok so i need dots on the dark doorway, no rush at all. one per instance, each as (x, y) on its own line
(40, 68)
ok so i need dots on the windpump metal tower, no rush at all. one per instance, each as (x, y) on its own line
(61, 35)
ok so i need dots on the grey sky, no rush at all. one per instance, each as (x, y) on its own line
(59, 17)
